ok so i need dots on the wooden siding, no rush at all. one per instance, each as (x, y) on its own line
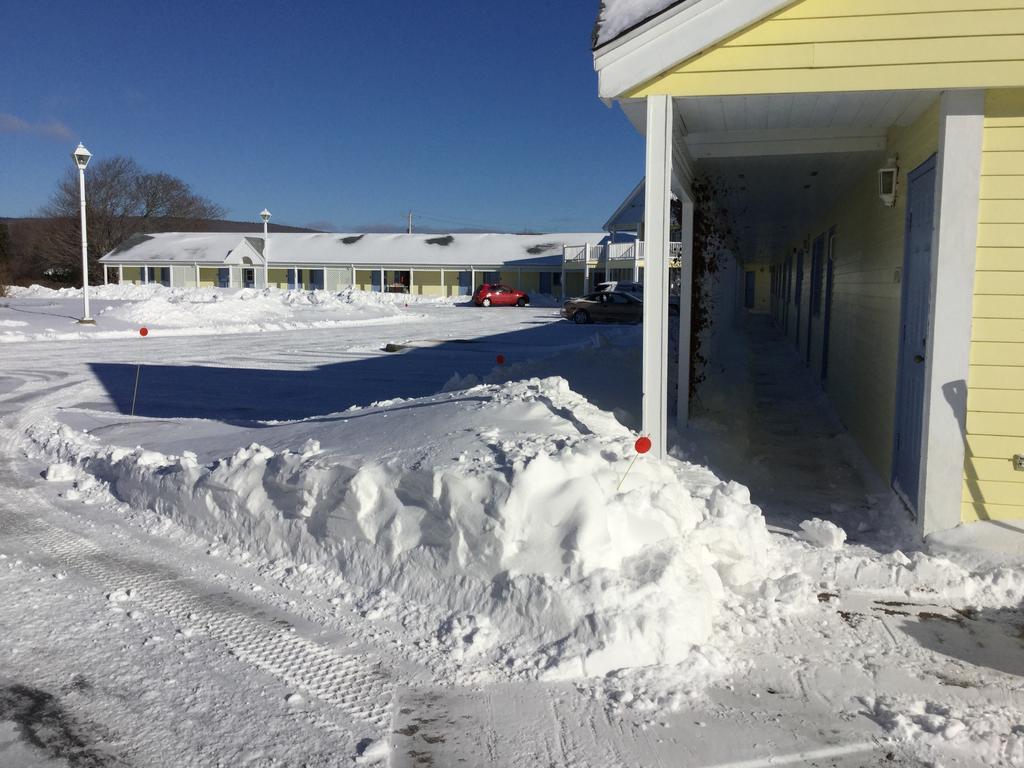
(995, 402)
(867, 269)
(859, 45)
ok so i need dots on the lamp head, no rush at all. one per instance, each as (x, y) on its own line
(81, 156)
(265, 215)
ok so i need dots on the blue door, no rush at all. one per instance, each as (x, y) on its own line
(798, 293)
(375, 282)
(814, 305)
(545, 282)
(465, 283)
(915, 299)
(750, 282)
(828, 303)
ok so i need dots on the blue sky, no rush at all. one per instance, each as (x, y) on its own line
(343, 114)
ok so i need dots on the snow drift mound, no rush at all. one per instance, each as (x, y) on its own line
(518, 532)
(190, 307)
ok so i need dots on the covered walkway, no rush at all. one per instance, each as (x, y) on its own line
(762, 419)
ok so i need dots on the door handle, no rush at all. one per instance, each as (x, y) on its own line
(918, 358)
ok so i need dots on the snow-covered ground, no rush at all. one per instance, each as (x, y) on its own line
(294, 547)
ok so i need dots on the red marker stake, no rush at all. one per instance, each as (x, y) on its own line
(143, 332)
(642, 445)
(500, 359)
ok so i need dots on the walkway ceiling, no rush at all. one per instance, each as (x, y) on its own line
(779, 162)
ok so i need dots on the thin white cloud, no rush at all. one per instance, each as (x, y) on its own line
(54, 129)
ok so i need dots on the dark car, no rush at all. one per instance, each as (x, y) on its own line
(499, 296)
(604, 307)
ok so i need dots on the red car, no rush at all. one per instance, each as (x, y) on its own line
(499, 296)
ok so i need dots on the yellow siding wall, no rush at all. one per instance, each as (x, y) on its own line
(364, 280)
(995, 400)
(864, 332)
(529, 282)
(429, 283)
(278, 278)
(132, 274)
(573, 283)
(860, 45)
(207, 277)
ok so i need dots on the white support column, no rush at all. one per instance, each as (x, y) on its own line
(383, 288)
(638, 250)
(106, 278)
(586, 268)
(954, 244)
(443, 292)
(685, 307)
(197, 274)
(353, 268)
(120, 274)
(170, 276)
(472, 280)
(562, 286)
(656, 227)
(145, 275)
(412, 279)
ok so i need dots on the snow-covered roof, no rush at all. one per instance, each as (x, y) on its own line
(617, 17)
(355, 249)
(635, 40)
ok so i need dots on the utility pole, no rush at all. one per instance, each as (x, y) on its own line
(409, 230)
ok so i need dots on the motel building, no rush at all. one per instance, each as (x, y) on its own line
(419, 264)
(869, 157)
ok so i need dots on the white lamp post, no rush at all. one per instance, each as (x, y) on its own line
(81, 157)
(265, 215)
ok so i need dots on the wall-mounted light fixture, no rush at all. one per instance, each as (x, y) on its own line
(887, 180)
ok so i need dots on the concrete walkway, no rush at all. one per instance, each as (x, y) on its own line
(763, 420)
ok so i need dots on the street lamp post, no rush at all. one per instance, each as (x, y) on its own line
(81, 157)
(265, 215)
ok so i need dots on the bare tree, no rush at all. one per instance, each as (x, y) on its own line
(5, 258)
(121, 200)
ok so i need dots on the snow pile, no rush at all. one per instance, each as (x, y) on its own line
(186, 308)
(619, 15)
(520, 532)
(822, 533)
(984, 735)
(121, 309)
(917, 576)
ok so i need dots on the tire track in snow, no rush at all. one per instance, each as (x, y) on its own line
(354, 684)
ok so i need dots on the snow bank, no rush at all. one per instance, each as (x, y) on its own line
(981, 733)
(121, 309)
(519, 534)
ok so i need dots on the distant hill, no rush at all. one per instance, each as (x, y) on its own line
(212, 225)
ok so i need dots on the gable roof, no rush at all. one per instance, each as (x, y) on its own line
(677, 30)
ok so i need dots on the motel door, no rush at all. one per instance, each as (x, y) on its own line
(916, 290)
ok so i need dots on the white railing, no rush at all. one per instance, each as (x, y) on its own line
(571, 253)
(600, 254)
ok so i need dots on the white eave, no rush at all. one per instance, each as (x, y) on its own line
(680, 32)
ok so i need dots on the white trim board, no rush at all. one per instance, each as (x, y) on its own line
(954, 245)
(673, 37)
(784, 142)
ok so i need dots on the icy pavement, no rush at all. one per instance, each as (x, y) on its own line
(199, 600)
